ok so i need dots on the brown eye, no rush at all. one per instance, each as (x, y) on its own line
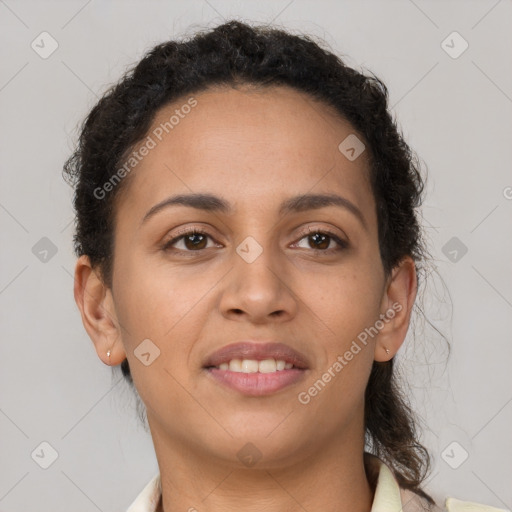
(322, 241)
(194, 240)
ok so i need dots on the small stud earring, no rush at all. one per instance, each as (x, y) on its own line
(387, 350)
(108, 354)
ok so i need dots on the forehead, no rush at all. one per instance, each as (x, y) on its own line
(247, 144)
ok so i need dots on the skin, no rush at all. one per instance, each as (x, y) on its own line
(253, 148)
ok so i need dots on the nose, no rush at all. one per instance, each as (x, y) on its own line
(258, 291)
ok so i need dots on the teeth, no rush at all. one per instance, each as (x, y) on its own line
(267, 366)
(249, 366)
(253, 366)
(235, 365)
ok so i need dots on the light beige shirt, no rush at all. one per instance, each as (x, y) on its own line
(389, 496)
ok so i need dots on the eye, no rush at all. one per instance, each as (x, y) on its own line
(193, 240)
(321, 241)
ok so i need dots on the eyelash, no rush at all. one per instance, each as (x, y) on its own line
(342, 244)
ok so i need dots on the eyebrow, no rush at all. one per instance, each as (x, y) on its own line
(300, 203)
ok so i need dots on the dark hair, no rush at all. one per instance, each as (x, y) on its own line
(233, 54)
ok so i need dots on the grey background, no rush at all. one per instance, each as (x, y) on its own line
(454, 112)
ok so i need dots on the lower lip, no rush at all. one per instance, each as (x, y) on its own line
(257, 384)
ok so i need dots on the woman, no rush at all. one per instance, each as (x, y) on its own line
(248, 253)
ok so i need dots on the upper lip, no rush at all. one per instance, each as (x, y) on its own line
(257, 351)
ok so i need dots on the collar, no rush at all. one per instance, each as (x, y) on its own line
(388, 495)
(387, 492)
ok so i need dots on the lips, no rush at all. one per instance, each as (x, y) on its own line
(257, 351)
(257, 383)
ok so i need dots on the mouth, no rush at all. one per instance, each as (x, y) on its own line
(270, 365)
(256, 369)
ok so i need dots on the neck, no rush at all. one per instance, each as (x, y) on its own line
(333, 479)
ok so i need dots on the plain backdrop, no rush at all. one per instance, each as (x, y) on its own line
(449, 72)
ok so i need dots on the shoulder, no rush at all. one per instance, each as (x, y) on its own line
(412, 502)
(455, 505)
(390, 497)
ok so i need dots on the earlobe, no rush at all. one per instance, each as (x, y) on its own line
(95, 302)
(396, 308)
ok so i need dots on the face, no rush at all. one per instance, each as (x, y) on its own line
(307, 276)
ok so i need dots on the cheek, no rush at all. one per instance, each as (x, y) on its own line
(343, 317)
(346, 301)
(168, 308)
(166, 305)
(153, 297)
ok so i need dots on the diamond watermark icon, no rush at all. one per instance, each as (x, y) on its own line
(454, 249)
(351, 147)
(249, 249)
(454, 45)
(249, 455)
(44, 455)
(44, 45)
(44, 250)
(454, 455)
(146, 352)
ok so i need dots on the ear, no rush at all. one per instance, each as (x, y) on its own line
(95, 302)
(396, 307)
